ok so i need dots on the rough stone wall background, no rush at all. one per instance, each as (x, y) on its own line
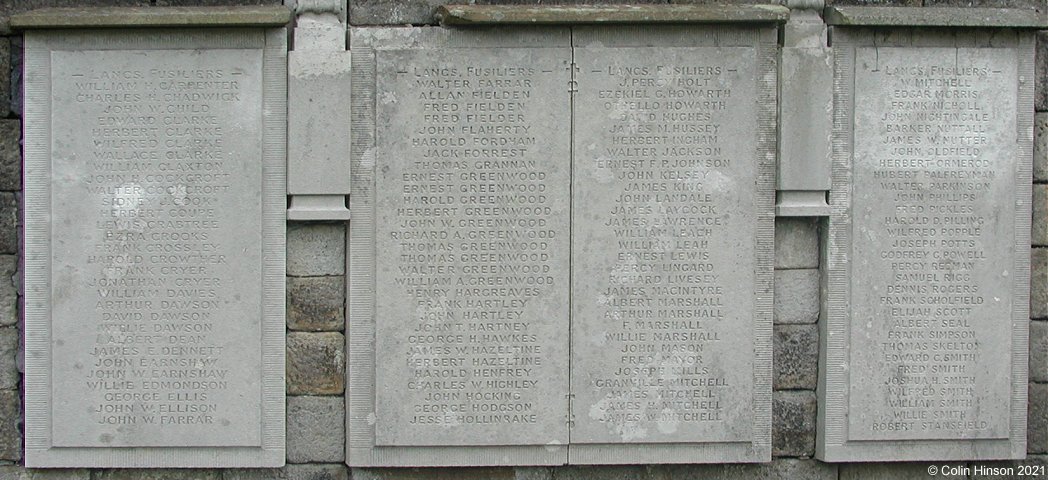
(316, 311)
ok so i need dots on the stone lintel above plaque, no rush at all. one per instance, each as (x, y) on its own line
(935, 17)
(462, 15)
(148, 17)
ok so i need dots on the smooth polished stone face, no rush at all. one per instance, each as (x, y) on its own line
(927, 295)
(159, 197)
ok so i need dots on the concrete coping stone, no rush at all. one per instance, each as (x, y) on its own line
(151, 17)
(935, 17)
(463, 15)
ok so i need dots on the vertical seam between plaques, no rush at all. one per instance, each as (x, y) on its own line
(572, 86)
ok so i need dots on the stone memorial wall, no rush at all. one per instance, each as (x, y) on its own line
(585, 242)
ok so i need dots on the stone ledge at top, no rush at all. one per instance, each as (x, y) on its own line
(152, 17)
(935, 17)
(463, 15)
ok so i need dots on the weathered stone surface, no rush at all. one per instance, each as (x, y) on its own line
(1040, 96)
(316, 429)
(291, 472)
(316, 363)
(392, 12)
(779, 469)
(420, 12)
(885, 3)
(793, 423)
(214, 3)
(868, 322)
(316, 472)
(1039, 228)
(17, 472)
(157, 474)
(423, 329)
(5, 82)
(10, 425)
(1037, 419)
(898, 471)
(316, 303)
(1039, 283)
(106, 17)
(316, 249)
(9, 376)
(9, 8)
(10, 138)
(1040, 146)
(1038, 351)
(730, 249)
(14, 96)
(9, 284)
(504, 473)
(796, 243)
(1026, 4)
(206, 276)
(503, 14)
(796, 356)
(797, 296)
(934, 17)
(9, 222)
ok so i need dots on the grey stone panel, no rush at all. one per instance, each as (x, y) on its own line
(153, 323)
(793, 423)
(416, 319)
(886, 343)
(796, 360)
(796, 296)
(624, 359)
(316, 429)
(796, 243)
(316, 249)
(316, 303)
(316, 363)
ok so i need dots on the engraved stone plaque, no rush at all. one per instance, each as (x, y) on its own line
(928, 259)
(155, 248)
(517, 193)
(672, 246)
(460, 247)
